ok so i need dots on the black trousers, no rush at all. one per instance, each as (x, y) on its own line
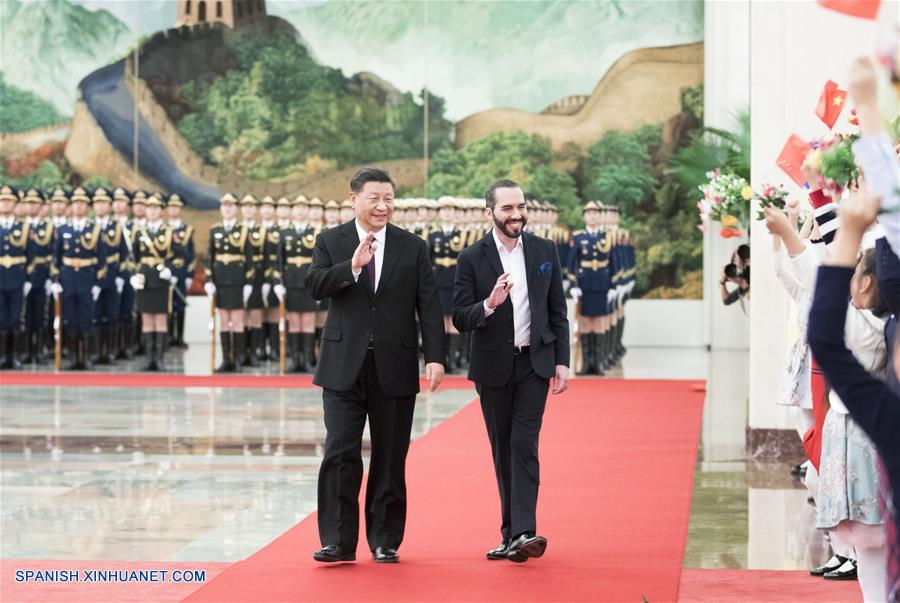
(513, 415)
(340, 476)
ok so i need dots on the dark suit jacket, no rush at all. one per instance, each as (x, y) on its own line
(492, 339)
(387, 315)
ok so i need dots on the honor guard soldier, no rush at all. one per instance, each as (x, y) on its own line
(330, 219)
(445, 243)
(588, 264)
(59, 210)
(59, 207)
(272, 277)
(138, 219)
(16, 257)
(346, 211)
(229, 279)
(256, 239)
(283, 212)
(332, 215)
(107, 306)
(183, 265)
(41, 234)
(126, 330)
(154, 253)
(297, 244)
(81, 263)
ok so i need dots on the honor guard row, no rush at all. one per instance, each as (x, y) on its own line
(84, 251)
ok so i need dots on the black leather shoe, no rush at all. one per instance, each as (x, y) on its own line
(499, 552)
(383, 554)
(845, 572)
(333, 553)
(525, 547)
(831, 565)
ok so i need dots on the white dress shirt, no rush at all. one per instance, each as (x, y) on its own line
(79, 223)
(514, 264)
(379, 251)
(228, 224)
(7, 221)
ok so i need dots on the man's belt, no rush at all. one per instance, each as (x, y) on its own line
(299, 261)
(227, 258)
(42, 259)
(178, 262)
(445, 262)
(79, 263)
(258, 258)
(8, 261)
(594, 264)
(112, 258)
(151, 261)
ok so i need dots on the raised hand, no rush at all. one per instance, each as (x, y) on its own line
(500, 292)
(364, 253)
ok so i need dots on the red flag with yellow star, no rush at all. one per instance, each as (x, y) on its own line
(831, 103)
(792, 156)
(864, 9)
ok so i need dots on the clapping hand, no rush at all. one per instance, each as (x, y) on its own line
(776, 221)
(500, 292)
(364, 253)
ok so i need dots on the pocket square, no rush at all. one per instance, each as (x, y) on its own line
(544, 267)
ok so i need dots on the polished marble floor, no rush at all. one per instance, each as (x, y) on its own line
(211, 474)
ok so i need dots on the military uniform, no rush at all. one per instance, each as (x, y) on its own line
(16, 256)
(588, 266)
(81, 262)
(127, 268)
(41, 233)
(445, 244)
(184, 262)
(107, 306)
(229, 268)
(295, 258)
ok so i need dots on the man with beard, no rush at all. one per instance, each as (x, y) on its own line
(379, 279)
(509, 293)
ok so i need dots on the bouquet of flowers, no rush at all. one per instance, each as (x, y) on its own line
(833, 159)
(771, 196)
(726, 199)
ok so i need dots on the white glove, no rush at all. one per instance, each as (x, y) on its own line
(137, 282)
(610, 295)
(266, 289)
(120, 284)
(187, 283)
(26, 289)
(280, 291)
(576, 292)
(95, 292)
(567, 284)
(248, 290)
(48, 286)
(173, 280)
(210, 288)
(55, 290)
(165, 274)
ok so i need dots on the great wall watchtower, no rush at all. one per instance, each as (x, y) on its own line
(232, 13)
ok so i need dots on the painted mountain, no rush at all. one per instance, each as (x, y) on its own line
(487, 55)
(48, 46)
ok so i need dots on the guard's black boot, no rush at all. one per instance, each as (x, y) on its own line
(274, 337)
(240, 350)
(256, 340)
(587, 354)
(179, 323)
(227, 364)
(599, 348)
(294, 352)
(308, 342)
(149, 342)
(160, 350)
(73, 353)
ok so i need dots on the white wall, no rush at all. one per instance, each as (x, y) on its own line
(726, 92)
(665, 323)
(795, 47)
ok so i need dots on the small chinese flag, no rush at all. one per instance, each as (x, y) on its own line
(831, 103)
(792, 156)
(864, 9)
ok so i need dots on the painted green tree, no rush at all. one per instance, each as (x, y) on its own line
(21, 110)
(280, 109)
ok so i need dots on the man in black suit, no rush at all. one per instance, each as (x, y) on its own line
(509, 294)
(378, 277)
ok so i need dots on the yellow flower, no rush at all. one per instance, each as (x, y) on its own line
(747, 192)
(729, 221)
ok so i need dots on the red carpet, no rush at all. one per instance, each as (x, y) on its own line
(762, 586)
(617, 467)
(68, 379)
